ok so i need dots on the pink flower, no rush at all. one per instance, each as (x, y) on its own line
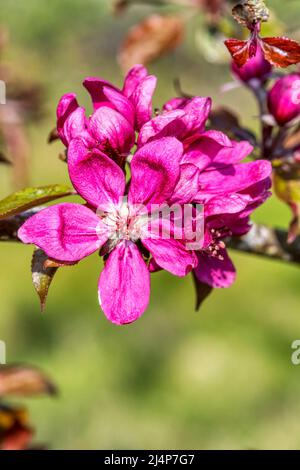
(177, 162)
(284, 99)
(69, 232)
(116, 116)
(257, 68)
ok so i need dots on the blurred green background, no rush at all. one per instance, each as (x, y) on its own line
(221, 378)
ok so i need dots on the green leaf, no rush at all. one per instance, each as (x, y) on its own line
(32, 197)
(41, 276)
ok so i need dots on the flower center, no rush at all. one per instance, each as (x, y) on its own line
(124, 223)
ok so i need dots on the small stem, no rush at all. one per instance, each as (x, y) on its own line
(266, 129)
(268, 242)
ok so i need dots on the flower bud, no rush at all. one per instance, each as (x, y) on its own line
(284, 99)
(256, 68)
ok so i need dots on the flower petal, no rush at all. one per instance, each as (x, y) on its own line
(164, 125)
(155, 171)
(65, 232)
(66, 106)
(175, 103)
(94, 86)
(120, 103)
(75, 125)
(133, 79)
(187, 185)
(197, 111)
(112, 130)
(232, 178)
(229, 204)
(214, 272)
(171, 255)
(124, 285)
(186, 124)
(214, 150)
(142, 100)
(95, 176)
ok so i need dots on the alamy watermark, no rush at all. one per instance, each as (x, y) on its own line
(2, 92)
(129, 221)
(2, 353)
(295, 357)
(296, 92)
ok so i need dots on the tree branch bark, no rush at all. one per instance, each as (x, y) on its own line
(268, 242)
(10, 226)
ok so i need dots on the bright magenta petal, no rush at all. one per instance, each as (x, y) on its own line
(95, 87)
(215, 272)
(187, 185)
(165, 125)
(110, 129)
(155, 171)
(133, 79)
(95, 176)
(233, 178)
(229, 204)
(120, 103)
(124, 285)
(75, 125)
(142, 100)
(66, 106)
(66, 232)
(214, 150)
(197, 112)
(171, 255)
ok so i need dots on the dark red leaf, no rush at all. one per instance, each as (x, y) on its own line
(281, 52)
(241, 51)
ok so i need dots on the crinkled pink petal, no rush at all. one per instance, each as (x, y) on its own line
(155, 171)
(94, 86)
(112, 130)
(219, 137)
(187, 185)
(165, 125)
(215, 272)
(153, 266)
(133, 79)
(75, 125)
(95, 176)
(122, 104)
(171, 255)
(229, 204)
(66, 106)
(124, 285)
(65, 232)
(175, 103)
(258, 190)
(209, 152)
(141, 99)
(233, 178)
(197, 111)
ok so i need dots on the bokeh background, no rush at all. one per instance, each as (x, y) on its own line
(221, 378)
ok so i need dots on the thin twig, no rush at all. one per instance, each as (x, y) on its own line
(268, 242)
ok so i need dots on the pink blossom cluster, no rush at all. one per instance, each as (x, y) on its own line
(123, 162)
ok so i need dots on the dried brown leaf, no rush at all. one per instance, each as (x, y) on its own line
(148, 40)
(24, 380)
(42, 275)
